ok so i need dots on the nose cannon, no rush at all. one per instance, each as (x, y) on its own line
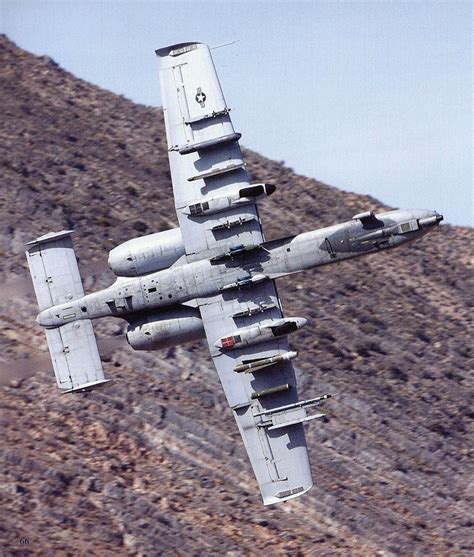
(432, 220)
(417, 221)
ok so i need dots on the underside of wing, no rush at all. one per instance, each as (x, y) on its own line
(214, 201)
(260, 385)
(244, 325)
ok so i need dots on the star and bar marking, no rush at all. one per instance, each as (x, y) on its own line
(200, 97)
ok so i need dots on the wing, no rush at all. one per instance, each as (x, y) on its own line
(217, 214)
(56, 279)
(207, 168)
(278, 454)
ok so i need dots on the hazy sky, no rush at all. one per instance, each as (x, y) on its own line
(372, 97)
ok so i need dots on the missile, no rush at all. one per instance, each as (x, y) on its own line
(294, 405)
(251, 366)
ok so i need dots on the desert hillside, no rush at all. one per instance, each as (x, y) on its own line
(154, 464)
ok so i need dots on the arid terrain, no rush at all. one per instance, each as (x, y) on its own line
(153, 464)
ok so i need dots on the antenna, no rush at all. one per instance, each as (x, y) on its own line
(224, 44)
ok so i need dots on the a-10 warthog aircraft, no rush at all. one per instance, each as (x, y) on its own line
(212, 277)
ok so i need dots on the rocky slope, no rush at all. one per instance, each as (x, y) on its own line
(154, 465)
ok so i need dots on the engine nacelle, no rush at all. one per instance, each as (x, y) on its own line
(147, 254)
(166, 328)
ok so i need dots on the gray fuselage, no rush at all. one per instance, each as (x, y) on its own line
(274, 259)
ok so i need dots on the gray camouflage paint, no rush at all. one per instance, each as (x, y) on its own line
(180, 284)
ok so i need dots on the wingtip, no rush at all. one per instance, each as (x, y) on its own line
(280, 498)
(92, 385)
(168, 50)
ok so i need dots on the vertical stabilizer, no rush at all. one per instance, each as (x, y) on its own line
(56, 280)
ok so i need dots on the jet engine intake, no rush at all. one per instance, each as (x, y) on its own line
(147, 254)
(166, 328)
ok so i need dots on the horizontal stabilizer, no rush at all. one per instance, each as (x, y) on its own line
(75, 357)
(53, 268)
(56, 280)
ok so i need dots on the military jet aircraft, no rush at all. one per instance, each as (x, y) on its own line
(212, 277)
